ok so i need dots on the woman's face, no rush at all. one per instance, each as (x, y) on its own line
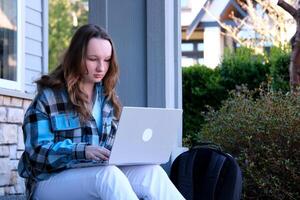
(97, 61)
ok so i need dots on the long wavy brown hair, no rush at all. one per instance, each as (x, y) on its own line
(69, 72)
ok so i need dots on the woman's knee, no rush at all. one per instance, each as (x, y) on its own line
(109, 173)
(156, 182)
(157, 170)
(112, 181)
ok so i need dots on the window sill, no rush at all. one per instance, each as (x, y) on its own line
(15, 93)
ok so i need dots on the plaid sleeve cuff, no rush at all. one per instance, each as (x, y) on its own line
(79, 151)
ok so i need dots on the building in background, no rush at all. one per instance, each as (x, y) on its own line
(192, 48)
(202, 39)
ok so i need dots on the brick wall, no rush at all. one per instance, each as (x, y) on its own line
(12, 111)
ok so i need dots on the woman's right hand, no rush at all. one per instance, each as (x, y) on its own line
(96, 153)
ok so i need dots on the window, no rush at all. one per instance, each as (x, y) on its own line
(187, 46)
(192, 52)
(200, 46)
(10, 44)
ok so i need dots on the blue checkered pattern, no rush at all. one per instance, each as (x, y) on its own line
(55, 137)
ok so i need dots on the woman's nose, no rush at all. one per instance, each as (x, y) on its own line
(99, 67)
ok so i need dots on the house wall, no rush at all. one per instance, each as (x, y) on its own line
(132, 41)
(12, 110)
(36, 42)
(213, 46)
(13, 103)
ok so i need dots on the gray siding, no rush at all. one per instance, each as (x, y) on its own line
(132, 64)
(156, 54)
(128, 32)
(35, 5)
(146, 36)
(34, 42)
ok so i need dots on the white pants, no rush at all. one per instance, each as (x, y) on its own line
(109, 183)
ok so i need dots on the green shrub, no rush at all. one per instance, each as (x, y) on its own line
(279, 60)
(200, 88)
(243, 67)
(263, 134)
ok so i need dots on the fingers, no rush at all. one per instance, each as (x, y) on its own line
(105, 151)
(93, 157)
(96, 153)
(101, 154)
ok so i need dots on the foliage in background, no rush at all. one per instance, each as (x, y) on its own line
(279, 60)
(64, 17)
(262, 132)
(264, 135)
(204, 87)
(200, 88)
(243, 67)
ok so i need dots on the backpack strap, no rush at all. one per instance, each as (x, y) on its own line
(207, 145)
(213, 171)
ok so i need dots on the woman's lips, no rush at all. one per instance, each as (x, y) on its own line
(98, 75)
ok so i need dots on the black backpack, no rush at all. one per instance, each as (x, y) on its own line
(205, 172)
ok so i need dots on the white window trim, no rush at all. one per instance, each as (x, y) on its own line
(19, 83)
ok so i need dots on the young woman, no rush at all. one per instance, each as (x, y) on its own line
(73, 119)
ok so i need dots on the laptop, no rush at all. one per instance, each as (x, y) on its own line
(144, 136)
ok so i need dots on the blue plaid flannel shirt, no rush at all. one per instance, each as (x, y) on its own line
(55, 138)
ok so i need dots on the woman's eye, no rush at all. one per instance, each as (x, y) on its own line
(92, 59)
(108, 60)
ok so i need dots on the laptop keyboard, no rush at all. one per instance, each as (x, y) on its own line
(89, 164)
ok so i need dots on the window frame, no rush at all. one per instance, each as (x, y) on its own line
(19, 83)
(195, 54)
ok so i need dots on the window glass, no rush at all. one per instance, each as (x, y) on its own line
(200, 47)
(187, 47)
(8, 40)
